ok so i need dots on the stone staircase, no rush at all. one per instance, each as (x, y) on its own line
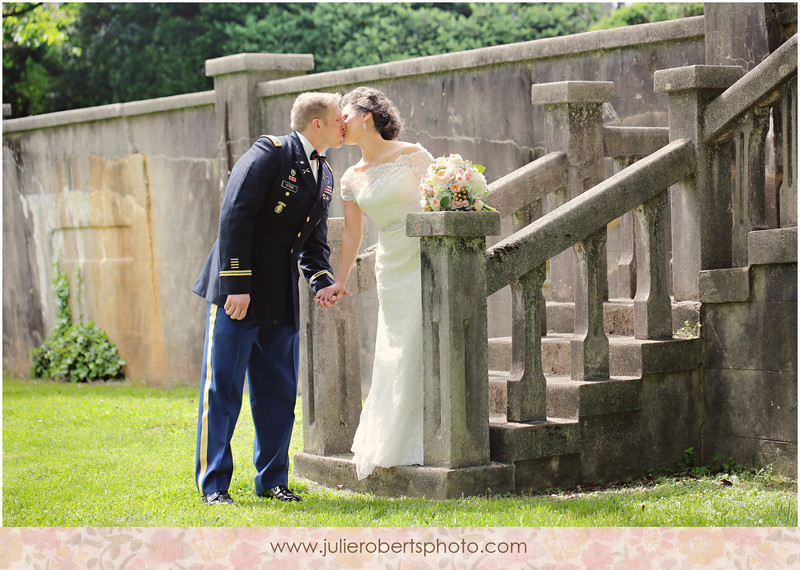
(590, 430)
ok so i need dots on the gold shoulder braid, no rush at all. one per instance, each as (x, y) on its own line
(274, 140)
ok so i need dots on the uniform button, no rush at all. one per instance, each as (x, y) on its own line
(291, 250)
(308, 219)
(287, 193)
(299, 233)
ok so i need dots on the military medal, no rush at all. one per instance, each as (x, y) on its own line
(279, 208)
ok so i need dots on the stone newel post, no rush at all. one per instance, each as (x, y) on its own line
(574, 125)
(330, 375)
(455, 338)
(237, 107)
(701, 206)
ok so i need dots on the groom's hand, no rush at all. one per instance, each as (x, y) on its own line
(236, 306)
(330, 295)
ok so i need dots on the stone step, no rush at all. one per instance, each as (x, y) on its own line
(511, 442)
(624, 354)
(569, 399)
(617, 316)
(627, 356)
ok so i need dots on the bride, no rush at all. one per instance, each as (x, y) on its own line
(385, 185)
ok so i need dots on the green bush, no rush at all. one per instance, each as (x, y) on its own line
(74, 352)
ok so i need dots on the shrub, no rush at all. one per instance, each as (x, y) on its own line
(74, 351)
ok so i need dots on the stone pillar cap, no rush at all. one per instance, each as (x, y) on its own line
(244, 62)
(453, 224)
(696, 77)
(572, 92)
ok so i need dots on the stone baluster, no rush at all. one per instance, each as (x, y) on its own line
(701, 205)
(652, 307)
(626, 267)
(455, 336)
(788, 191)
(519, 220)
(749, 191)
(589, 344)
(574, 125)
(527, 386)
(330, 371)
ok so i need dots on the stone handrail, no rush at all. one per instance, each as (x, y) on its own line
(756, 88)
(525, 185)
(565, 226)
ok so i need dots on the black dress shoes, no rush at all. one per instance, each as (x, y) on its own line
(282, 493)
(218, 498)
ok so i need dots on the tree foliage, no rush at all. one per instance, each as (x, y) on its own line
(35, 43)
(647, 12)
(76, 55)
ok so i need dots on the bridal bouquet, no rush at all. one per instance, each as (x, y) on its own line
(452, 183)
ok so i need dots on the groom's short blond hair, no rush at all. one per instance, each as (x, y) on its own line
(310, 106)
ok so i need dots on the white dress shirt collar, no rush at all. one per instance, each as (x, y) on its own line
(307, 146)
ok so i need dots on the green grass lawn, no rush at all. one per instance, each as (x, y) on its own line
(121, 454)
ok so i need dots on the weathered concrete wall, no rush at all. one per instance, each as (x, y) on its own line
(129, 194)
(750, 357)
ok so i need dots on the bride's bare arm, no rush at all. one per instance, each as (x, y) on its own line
(351, 242)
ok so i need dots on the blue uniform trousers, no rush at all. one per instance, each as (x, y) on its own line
(269, 357)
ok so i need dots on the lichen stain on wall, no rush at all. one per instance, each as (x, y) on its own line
(99, 223)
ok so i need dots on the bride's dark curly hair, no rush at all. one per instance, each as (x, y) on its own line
(384, 114)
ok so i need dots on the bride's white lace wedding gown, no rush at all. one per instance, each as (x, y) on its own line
(389, 432)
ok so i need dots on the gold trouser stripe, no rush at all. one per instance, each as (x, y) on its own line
(212, 317)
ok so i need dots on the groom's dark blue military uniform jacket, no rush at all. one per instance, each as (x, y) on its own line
(273, 215)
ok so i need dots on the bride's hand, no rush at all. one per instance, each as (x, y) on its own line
(330, 295)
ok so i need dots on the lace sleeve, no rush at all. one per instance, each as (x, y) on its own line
(420, 160)
(347, 189)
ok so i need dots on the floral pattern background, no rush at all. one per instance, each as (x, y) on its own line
(547, 548)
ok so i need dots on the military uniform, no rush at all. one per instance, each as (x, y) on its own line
(274, 216)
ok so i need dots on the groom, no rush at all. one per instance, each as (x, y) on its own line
(274, 214)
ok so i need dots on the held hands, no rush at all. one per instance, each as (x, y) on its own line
(236, 306)
(330, 295)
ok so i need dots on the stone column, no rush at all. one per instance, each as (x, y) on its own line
(589, 344)
(573, 124)
(626, 268)
(652, 307)
(788, 190)
(749, 189)
(330, 377)
(527, 386)
(701, 205)
(455, 336)
(237, 107)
